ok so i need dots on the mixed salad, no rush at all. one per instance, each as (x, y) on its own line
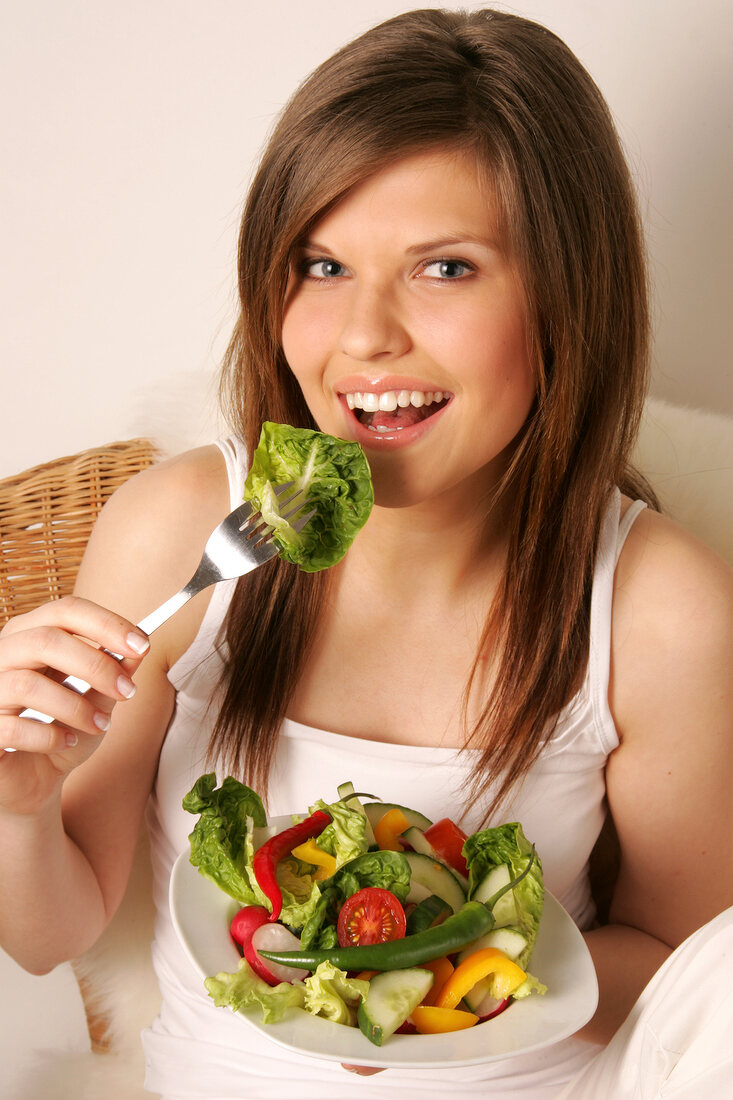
(368, 913)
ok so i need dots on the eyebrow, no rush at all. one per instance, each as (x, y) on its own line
(435, 245)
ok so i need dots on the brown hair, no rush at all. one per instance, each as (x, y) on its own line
(511, 93)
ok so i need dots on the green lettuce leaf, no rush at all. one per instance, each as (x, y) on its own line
(220, 837)
(345, 837)
(335, 476)
(243, 990)
(508, 844)
(331, 993)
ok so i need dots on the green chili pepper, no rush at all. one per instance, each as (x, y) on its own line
(474, 919)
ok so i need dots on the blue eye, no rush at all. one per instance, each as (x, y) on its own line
(447, 269)
(323, 269)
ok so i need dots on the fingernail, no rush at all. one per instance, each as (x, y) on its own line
(125, 687)
(71, 740)
(137, 643)
(102, 721)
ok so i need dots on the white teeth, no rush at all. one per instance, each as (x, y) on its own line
(390, 400)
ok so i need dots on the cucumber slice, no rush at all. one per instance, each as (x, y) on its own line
(375, 810)
(419, 843)
(509, 940)
(428, 876)
(505, 910)
(391, 998)
(347, 794)
(431, 910)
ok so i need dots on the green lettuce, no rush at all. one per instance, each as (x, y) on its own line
(508, 844)
(331, 993)
(335, 477)
(345, 837)
(221, 839)
(244, 989)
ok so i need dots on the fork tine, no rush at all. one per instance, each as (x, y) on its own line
(300, 523)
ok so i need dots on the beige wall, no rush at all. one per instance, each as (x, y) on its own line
(128, 132)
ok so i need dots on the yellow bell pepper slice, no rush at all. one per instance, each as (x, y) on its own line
(506, 976)
(388, 829)
(431, 1020)
(309, 852)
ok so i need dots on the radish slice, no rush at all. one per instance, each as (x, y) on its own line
(273, 937)
(490, 1007)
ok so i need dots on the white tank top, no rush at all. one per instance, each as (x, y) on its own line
(197, 1050)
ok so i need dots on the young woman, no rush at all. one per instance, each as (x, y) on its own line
(440, 257)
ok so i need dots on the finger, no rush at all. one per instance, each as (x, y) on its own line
(25, 688)
(363, 1071)
(25, 735)
(48, 647)
(88, 620)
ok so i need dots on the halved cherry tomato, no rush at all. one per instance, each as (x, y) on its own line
(448, 840)
(371, 915)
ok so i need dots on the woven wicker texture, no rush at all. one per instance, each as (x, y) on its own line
(47, 514)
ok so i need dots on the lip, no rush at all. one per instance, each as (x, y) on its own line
(402, 437)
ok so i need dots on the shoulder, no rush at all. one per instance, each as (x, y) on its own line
(150, 535)
(672, 629)
(673, 599)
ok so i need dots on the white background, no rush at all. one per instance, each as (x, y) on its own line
(129, 132)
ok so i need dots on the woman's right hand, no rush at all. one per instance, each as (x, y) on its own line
(37, 651)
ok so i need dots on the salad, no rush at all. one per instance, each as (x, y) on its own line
(367, 913)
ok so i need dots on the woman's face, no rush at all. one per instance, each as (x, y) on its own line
(405, 326)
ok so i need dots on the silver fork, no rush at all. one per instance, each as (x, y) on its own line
(239, 544)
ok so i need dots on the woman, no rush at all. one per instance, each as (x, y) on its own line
(440, 257)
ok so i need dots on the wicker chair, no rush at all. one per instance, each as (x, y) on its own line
(46, 516)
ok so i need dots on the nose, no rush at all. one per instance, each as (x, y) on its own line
(373, 328)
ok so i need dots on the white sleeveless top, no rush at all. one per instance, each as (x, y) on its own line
(196, 1050)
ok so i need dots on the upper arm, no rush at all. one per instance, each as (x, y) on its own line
(669, 781)
(145, 546)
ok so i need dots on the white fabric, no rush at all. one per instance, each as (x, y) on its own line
(197, 1050)
(676, 1042)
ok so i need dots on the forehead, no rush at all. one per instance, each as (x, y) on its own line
(444, 190)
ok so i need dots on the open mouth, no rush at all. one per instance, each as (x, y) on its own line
(395, 410)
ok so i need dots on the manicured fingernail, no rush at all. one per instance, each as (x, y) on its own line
(71, 740)
(125, 687)
(137, 643)
(102, 721)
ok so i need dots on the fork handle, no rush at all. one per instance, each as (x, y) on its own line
(150, 623)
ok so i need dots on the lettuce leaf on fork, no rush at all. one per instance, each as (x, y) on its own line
(336, 480)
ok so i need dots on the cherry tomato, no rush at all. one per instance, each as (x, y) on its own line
(448, 840)
(371, 915)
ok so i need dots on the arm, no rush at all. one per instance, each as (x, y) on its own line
(669, 781)
(69, 817)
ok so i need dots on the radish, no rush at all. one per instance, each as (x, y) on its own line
(273, 937)
(245, 922)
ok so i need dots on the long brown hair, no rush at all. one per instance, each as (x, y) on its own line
(511, 93)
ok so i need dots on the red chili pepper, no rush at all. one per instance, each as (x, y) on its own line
(276, 848)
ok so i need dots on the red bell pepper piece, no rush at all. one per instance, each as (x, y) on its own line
(276, 848)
